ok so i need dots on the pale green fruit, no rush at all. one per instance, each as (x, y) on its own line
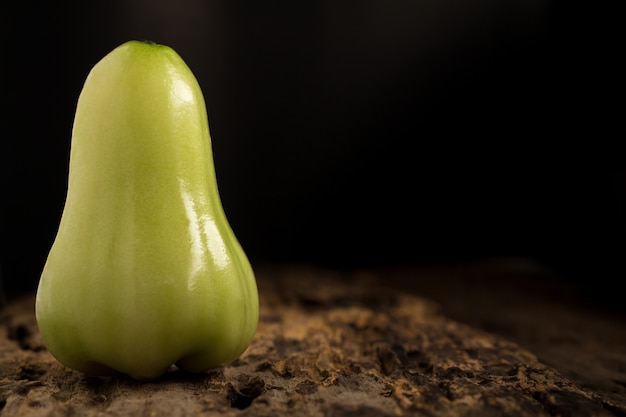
(145, 271)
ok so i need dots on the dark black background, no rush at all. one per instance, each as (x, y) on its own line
(351, 134)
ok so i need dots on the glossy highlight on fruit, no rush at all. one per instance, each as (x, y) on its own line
(145, 271)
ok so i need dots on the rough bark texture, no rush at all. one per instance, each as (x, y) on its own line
(329, 344)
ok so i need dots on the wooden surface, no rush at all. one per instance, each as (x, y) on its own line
(474, 340)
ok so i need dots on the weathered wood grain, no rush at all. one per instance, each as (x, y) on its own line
(327, 345)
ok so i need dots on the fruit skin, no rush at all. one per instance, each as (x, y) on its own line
(145, 271)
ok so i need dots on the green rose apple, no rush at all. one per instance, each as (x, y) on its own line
(145, 271)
